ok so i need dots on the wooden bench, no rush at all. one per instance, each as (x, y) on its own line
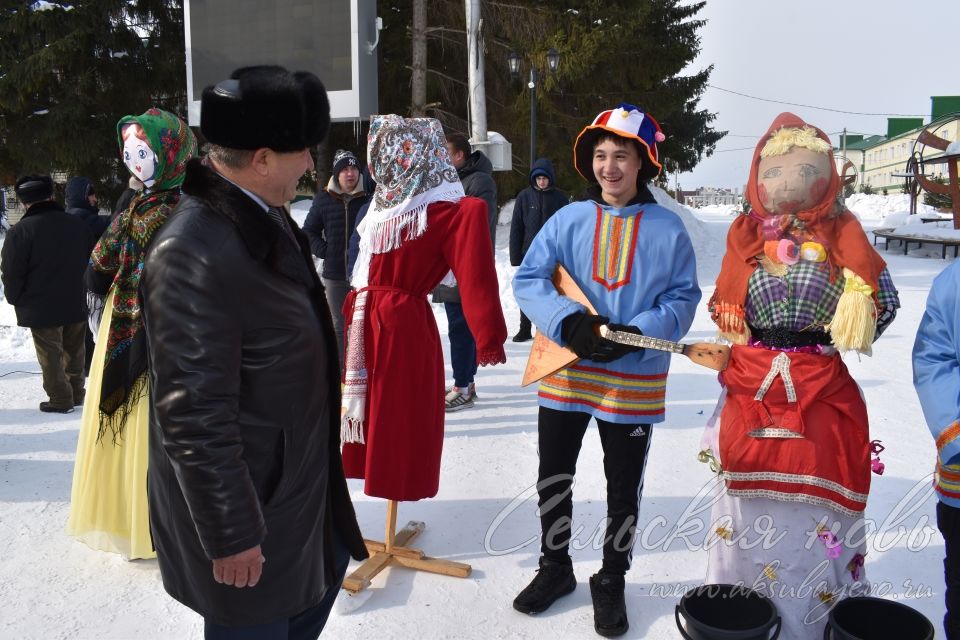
(906, 241)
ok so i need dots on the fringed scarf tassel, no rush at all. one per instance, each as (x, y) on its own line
(854, 324)
(389, 234)
(729, 319)
(115, 420)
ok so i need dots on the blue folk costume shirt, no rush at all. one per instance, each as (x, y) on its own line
(636, 266)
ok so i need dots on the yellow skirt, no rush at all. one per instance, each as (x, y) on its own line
(108, 503)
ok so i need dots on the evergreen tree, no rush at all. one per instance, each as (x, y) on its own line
(630, 51)
(70, 71)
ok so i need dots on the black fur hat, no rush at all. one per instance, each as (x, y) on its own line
(265, 106)
(31, 189)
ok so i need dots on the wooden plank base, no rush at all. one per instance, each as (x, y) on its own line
(401, 554)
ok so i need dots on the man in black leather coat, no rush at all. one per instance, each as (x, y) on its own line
(249, 508)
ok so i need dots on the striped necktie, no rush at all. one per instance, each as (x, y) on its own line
(277, 216)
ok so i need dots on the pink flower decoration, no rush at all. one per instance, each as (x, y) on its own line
(659, 137)
(834, 548)
(855, 565)
(875, 465)
(788, 252)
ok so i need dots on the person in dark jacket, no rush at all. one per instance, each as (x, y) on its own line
(249, 507)
(476, 174)
(533, 206)
(329, 224)
(43, 261)
(81, 201)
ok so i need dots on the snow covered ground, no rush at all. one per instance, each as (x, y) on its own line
(52, 586)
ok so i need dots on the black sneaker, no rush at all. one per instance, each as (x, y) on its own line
(609, 606)
(553, 580)
(49, 407)
(523, 336)
(78, 397)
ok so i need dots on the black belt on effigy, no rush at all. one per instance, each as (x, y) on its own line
(782, 337)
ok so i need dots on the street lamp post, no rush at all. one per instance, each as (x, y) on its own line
(513, 62)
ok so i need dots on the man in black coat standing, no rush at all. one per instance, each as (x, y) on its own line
(533, 207)
(44, 258)
(249, 507)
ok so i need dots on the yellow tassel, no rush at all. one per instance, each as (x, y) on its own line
(854, 323)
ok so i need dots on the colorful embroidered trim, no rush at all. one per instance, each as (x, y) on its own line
(795, 497)
(608, 391)
(948, 480)
(614, 244)
(948, 435)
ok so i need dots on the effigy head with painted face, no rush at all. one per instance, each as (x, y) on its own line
(137, 154)
(155, 146)
(794, 171)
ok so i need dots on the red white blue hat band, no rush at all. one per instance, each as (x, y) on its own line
(626, 121)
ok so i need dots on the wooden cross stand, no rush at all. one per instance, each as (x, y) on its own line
(394, 550)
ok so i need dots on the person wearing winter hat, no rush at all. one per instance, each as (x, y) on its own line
(80, 199)
(532, 208)
(329, 224)
(42, 266)
(634, 261)
(250, 511)
(799, 285)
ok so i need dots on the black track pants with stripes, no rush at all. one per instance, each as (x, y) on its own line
(625, 448)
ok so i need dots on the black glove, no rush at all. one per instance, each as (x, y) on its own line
(579, 331)
(620, 350)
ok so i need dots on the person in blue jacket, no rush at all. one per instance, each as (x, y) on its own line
(533, 207)
(634, 261)
(936, 376)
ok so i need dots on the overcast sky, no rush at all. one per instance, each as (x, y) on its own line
(866, 56)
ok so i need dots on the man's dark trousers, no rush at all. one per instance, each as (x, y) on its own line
(463, 348)
(60, 351)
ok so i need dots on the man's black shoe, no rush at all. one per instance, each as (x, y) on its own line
(553, 580)
(523, 335)
(49, 407)
(609, 606)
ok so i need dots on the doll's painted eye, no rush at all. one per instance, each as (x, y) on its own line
(772, 172)
(142, 154)
(808, 171)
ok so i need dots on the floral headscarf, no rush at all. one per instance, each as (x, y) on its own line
(409, 162)
(120, 254)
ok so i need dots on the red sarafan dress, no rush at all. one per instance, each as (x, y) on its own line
(403, 425)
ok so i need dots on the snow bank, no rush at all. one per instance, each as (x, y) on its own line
(708, 242)
(506, 212)
(720, 209)
(932, 231)
(877, 207)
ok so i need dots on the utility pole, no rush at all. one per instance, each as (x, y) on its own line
(475, 79)
(418, 41)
